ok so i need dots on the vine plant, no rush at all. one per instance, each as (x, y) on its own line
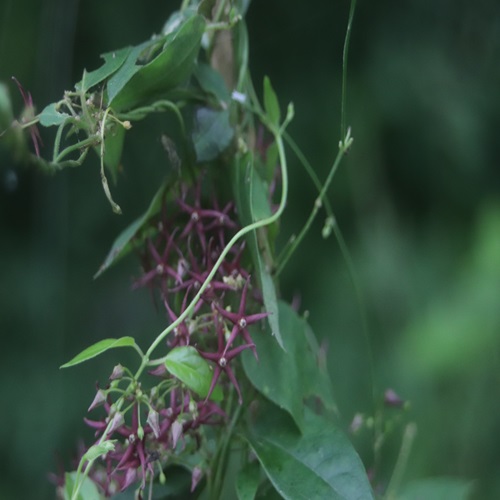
(232, 390)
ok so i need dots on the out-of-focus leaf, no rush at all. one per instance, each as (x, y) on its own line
(437, 488)
(271, 104)
(122, 245)
(134, 85)
(97, 450)
(211, 81)
(247, 482)
(112, 63)
(288, 376)
(50, 116)
(6, 115)
(88, 489)
(191, 369)
(320, 462)
(99, 348)
(252, 205)
(453, 333)
(212, 133)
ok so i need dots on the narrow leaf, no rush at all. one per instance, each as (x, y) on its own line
(123, 243)
(191, 369)
(50, 116)
(99, 348)
(271, 104)
(252, 204)
(247, 481)
(319, 463)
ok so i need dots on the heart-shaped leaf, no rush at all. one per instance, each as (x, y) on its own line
(290, 375)
(320, 462)
(191, 369)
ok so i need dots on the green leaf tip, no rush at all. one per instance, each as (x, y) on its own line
(271, 103)
(98, 348)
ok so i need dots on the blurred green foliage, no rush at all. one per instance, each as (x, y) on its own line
(417, 200)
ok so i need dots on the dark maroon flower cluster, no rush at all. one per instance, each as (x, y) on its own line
(177, 262)
(180, 250)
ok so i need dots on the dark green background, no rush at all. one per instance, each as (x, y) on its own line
(417, 200)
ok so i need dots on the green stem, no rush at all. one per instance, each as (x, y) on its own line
(90, 141)
(317, 205)
(221, 457)
(343, 128)
(402, 461)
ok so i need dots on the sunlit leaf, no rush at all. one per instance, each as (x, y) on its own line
(134, 84)
(191, 369)
(99, 348)
(437, 488)
(88, 489)
(247, 482)
(212, 133)
(50, 116)
(320, 462)
(290, 375)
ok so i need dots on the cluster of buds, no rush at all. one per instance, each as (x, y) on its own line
(180, 250)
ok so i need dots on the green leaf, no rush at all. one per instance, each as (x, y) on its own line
(88, 489)
(271, 104)
(437, 488)
(50, 116)
(247, 482)
(6, 115)
(123, 244)
(99, 348)
(97, 450)
(251, 201)
(113, 146)
(290, 375)
(212, 82)
(191, 369)
(112, 63)
(319, 463)
(212, 133)
(134, 85)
